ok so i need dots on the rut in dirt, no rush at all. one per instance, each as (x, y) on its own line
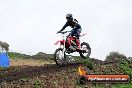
(18, 72)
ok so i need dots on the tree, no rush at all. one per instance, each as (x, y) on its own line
(130, 59)
(115, 56)
(4, 46)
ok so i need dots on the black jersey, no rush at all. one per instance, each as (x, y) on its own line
(73, 24)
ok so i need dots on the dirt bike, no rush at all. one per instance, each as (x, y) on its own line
(67, 48)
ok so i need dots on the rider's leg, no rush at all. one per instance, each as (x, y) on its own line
(77, 40)
(68, 42)
(73, 31)
(70, 36)
(78, 43)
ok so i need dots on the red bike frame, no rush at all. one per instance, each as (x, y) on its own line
(67, 42)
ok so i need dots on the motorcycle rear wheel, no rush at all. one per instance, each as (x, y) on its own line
(87, 51)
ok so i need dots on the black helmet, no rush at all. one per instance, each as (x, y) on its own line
(69, 17)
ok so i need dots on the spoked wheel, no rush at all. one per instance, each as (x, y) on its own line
(85, 50)
(59, 56)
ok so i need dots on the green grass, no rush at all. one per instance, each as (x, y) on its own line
(129, 85)
(13, 55)
(124, 65)
(37, 84)
(126, 70)
(86, 62)
(3, 68)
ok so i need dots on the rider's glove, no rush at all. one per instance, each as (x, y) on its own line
(59, 32)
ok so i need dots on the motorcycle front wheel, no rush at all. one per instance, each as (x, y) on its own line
(59, 56)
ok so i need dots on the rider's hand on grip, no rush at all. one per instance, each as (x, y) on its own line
(58, 32)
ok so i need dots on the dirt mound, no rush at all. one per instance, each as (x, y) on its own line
(50, 76)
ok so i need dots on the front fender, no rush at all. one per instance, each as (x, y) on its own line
(56, 42)
(61, 42)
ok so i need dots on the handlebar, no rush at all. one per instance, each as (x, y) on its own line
(63, 32)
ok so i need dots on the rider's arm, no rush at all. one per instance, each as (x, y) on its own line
(67, 24)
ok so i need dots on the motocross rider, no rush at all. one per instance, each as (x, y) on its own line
(73, 23)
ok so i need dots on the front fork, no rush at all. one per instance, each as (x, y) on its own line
(63, 49)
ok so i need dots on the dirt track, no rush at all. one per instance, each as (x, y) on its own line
(49, 75)
(16, 73)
